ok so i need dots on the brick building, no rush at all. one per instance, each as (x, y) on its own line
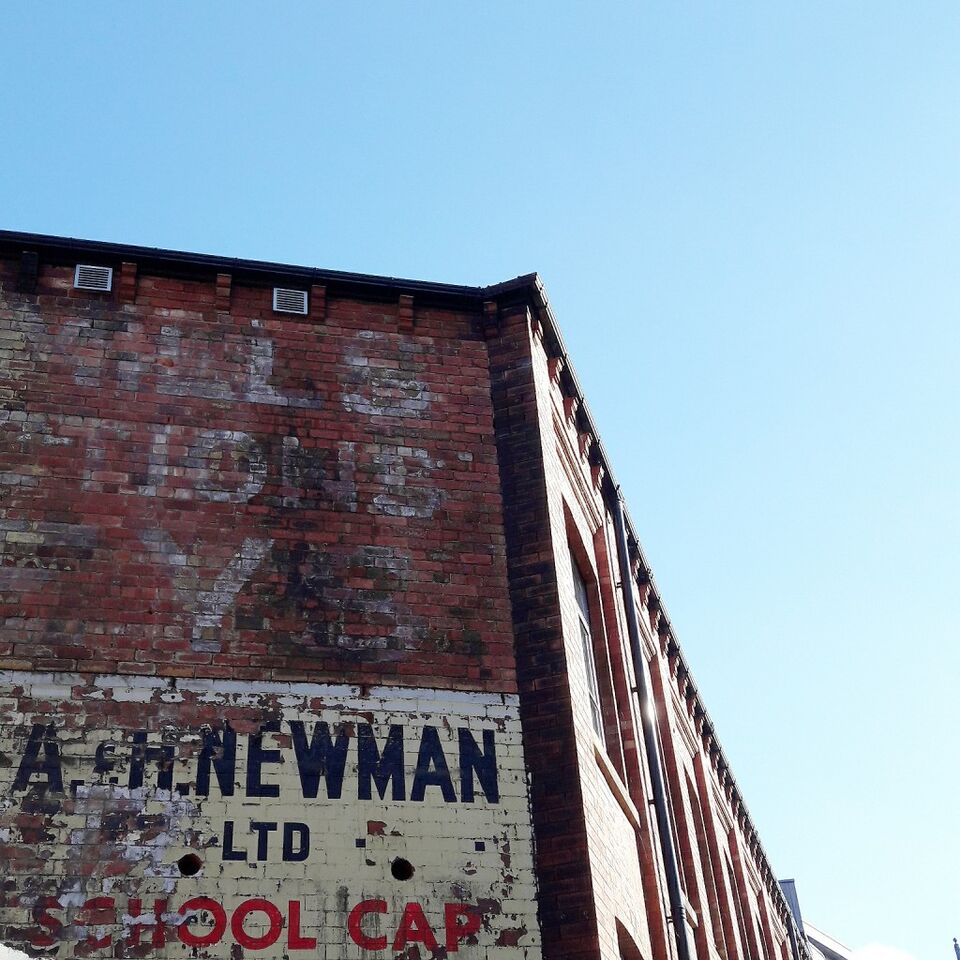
(324, 633)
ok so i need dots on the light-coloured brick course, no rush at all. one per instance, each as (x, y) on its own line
(99, 839)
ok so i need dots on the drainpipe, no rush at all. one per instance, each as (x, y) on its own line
(794, 944)
(650, 742)
(795, 918)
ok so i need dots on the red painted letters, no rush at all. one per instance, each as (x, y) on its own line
(461, 921)
(241, 914)
(355, 920)
(195, 905)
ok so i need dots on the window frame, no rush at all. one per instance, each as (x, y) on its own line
(581, 593)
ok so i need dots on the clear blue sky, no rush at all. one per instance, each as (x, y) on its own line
(747, 216)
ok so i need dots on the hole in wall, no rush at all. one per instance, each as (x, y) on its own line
(189, 864)
(401, 869)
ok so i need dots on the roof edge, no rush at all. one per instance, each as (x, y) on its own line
(180, 262)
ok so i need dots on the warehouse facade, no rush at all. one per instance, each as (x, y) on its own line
(325, 633)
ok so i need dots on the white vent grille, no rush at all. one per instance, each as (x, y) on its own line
(88, 277)
(289, 301)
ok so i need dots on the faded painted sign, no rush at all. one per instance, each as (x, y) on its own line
(149, 816)
(179, 483)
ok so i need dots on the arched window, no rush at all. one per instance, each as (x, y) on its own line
(586, 638)
(628, 949)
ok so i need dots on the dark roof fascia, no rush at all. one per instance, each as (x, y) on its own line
(181, 264)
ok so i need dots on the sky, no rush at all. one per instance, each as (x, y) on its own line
(747, 218)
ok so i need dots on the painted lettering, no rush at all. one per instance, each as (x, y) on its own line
(198, 905)
(263, 831)
(321, 758)
(143, 754)
(381, 767)
(321, 754)
(430, 756)
(45, 737)
(457, 931)
(220, 753)
(101, 911)
(229, 853)
(482, 763)
(295, 939)
(295, 852)
(105, 760)
(462, 921)
(414, 928)
(355, 924)
(274, 917)
(258, 756)
(43, 919)
(137, 923)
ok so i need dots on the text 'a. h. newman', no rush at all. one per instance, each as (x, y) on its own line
(325, 758)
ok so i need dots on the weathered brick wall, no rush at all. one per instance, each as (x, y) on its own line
(567, 907)
(732, 904)
(288, 588)
(621, 835)
(194, 491)
(146, 815)
(221, 522)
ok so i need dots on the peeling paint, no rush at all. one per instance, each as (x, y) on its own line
(316, 857)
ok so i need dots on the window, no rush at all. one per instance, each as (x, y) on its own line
(628, 948)
(746, 941)
(707, 865)
(586, 638)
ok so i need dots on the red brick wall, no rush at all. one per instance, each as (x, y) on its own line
(381, 493)
(194, 491)
(625, 869)
(598, 843)
(567, 908)
(220, 524)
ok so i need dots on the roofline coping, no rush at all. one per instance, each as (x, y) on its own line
(65, 248)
